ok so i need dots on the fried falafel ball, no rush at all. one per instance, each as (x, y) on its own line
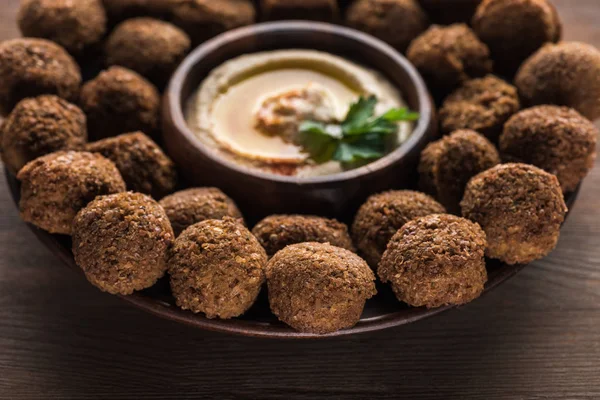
(31, 67)
(188, 207)
(278, 231)
(436, 260)
(143, 165)
(565, 74)
(515, 29)
(482, 104)
(75, 25)
(38, 126)
(447, 12)
(520, 207)
(217, 267)
(396, 22)
(557, 139)
(380, 217)
(119, 10)
(119, 101)
(56, 186)
(204, 19)
(316, 10)
(148, 46)
(318, 288)
(448, 56)
(447, 165)
(121, 242)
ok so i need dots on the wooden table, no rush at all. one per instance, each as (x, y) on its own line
(535, 337)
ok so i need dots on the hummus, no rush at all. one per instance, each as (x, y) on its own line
(249, 108)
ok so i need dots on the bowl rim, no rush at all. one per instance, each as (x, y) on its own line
(173, 94)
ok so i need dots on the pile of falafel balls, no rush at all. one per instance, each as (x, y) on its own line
(512, 147)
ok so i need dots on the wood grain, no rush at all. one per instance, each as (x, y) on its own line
(536, 337)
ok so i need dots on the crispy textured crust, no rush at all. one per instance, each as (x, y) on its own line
(75, 25)
(121, 242)
(448, 164)
(380, 18)
(148, 46)
(380, 217)
(318, 288)
(56, 186)
(566, 74)
(317, 10)
(31, 67)
(190, 206)
(204, 19)
(557, 139)
(278, 231)
(447, 56)
(120, 101)
(217, 267)
(436, 260)
(482, 104)
(39, 126)
(143, 165)
(521, 209)
(515, 29)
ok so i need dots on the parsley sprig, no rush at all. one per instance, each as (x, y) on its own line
(359, 137)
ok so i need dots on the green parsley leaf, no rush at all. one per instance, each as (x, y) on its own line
(319, 140)
(360, 112)
(351, 153)
(400, 114)
(359, 138)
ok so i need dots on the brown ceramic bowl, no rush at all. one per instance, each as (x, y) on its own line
(259, 193)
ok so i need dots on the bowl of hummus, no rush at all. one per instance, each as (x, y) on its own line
(297, 117)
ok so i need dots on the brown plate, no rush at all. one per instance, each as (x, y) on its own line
(381, 312)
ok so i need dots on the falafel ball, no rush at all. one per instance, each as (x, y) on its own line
(217, 267)
(396, 22)
(148, 46)
(143, 165)
(436, 260)
(31, 67)
(121, 242)
(190, 206)
(39, 126)
(447, 12)
(520, 207)
(119, 101)
(318, 288)
(56, 186)
(119, 10)
(557, 139)
(204, 19)
(380, 217)
(482, 104)
(447, 165)
(278, 231)
(565, 74)
(75, 25)
(316, 10)
(515, 29)
(448, 56)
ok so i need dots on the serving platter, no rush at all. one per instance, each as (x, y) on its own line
(381, 312)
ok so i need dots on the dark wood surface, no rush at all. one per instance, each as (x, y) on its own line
(535, 337)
